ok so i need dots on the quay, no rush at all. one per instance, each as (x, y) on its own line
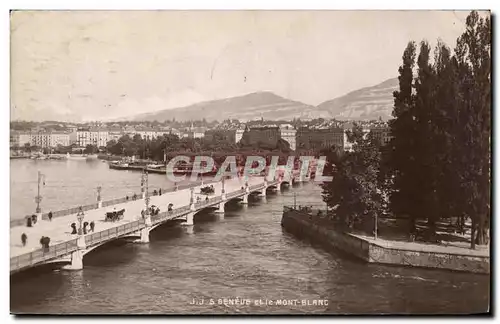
(397, 253)
(70, 249)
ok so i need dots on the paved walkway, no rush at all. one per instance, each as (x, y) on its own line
(461, 248)
(59, 228)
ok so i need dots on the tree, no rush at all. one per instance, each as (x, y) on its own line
(354, 195)
(438, 161)
(473, 127)
(426, 169)
(400, 159)
(90, 149)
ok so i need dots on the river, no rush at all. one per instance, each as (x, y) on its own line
(244, 254)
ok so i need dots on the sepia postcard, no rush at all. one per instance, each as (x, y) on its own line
(250, 162)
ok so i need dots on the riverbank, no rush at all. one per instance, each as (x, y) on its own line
(388, 252)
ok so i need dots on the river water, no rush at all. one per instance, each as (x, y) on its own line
(244, 254)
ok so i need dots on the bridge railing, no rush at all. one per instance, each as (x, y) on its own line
(41, 255)
(114, 232)
(120, 200)
(235, 193)
(208, 202)
(257, 186)
(169, 214)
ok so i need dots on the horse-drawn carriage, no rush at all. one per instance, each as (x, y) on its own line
(154, 211)
(208, 190)
(114, 215)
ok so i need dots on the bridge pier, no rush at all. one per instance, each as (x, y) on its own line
(144, 233)
(221, 208)
(263, 191)
(245, 199)
(77, 256)
(222, 204)
(190, 219)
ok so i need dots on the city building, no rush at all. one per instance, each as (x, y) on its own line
(59, 138)
(114, 133)
(195, 132)
(263, 136)
(92, 136)
(40, 139)
(225, 133)
(19, 139)
(147, 133)
(320, 137)
(83, 137)
(99, 136)
(289, 134)
(334, 133)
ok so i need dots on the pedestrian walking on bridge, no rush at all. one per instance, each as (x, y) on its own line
(24, 239)
(50, 216)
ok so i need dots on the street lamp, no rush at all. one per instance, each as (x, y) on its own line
(223, 182)
(99, 193)
(191, 199)
(146, 199)
(80, 216)
(38, 198)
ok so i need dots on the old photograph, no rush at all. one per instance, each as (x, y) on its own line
(237, 162)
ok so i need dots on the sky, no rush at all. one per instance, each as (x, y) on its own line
(99, 65)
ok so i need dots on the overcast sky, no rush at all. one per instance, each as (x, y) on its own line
(105, 64)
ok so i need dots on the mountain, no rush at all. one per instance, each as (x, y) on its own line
(365, 103)
(248, 107)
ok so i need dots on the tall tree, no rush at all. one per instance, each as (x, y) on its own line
(446, 112)
(401, 148)
(474, 65)
(426, 169)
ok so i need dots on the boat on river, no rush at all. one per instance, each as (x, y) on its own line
(116, 165)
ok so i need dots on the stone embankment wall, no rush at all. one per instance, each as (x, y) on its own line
(298, 224)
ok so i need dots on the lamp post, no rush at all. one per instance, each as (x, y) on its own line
(147, 192)
(143, 181)
(191, 199)
(99, 188)
(223, 183)
(38, 198)
(80, 216)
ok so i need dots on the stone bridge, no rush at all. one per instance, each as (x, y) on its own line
(70, 249)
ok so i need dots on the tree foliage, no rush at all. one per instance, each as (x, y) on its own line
(437, 164)
(354, 196)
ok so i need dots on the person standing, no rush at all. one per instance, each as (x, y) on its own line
(50, 216)
(24, 239)
(92, 224)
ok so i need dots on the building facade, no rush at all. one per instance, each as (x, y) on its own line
(263, 136)
(59, 138)
(229, 135)
(19, 139)
(318, 138)
(92, 136)
(289, 134)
